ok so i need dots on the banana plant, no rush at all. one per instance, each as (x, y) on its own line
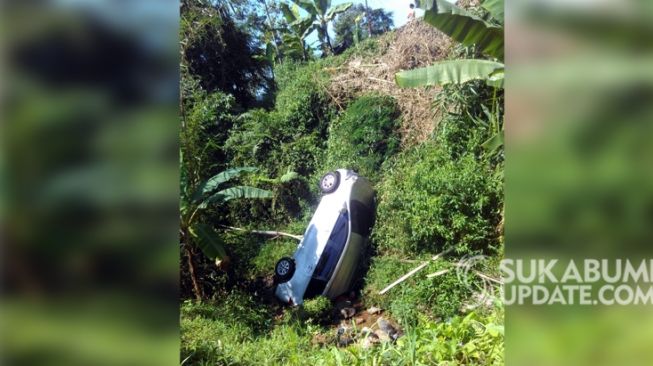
(470, 30)
(212, 193)
(320, 14)
(300, 27)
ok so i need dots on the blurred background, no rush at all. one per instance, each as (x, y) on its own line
(89, 177)
(579, 159)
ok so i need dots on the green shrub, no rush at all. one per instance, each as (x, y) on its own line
(292, 137)
(432, 201)
(262, 264)
(364, 136)
(205, 327)
(317, 309)
(439, 297)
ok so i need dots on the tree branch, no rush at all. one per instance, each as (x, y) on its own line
(264, 232)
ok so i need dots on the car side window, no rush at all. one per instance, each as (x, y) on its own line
(333, 249)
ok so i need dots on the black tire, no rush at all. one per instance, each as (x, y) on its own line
(329, 182)
(284, 269)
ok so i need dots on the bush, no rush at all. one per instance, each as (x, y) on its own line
(292, 137)
(441, 296)
(317, 309)
(433, 201)
(364, 136)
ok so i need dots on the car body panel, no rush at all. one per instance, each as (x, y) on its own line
(318, 233)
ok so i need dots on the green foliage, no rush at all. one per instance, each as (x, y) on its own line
(220, 54)
(470, 30)
(451, 71)
(205, 326)
(262, 263)
(211, 336)
(464, 27)
(353, 24)
(439, 297)
(439, 196)
(292, 137)
(364, 136)
(320, 14)
(317, 309)
(206, 122)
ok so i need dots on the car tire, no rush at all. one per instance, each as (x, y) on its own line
(329, 182)
(284, 269)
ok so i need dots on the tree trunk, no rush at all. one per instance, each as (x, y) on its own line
(328, 38)
(197, 289)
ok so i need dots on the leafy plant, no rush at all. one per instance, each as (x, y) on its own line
(318, 309)
(434, 201)
(360, 22)
(294, 45)
(364, 136)
(196, 199)
(320, 14)
(220, 54)
(469, 30)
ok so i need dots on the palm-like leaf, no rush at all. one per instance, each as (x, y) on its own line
(288, 13)
(306, 5)
(495, 8)
(464, 27)
(446, 72)
(322, 6)
(209, 241)
(302, 26)
(234, 193)
(244, 192)
(337, 10)
(212, 183)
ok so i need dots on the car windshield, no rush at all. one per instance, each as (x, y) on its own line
(333, 249)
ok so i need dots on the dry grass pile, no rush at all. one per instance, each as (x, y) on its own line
(414, 45)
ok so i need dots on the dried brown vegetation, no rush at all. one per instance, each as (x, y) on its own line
(414, 45)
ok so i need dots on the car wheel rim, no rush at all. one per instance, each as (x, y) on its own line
(328, 181)
(283, 268)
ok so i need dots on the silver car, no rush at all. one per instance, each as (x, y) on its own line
(328, 257)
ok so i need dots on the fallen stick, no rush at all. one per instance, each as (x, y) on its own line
(377, 79)
(438, 273)
(403, 278)
(500, 282)
(265, 232)
(412, 272)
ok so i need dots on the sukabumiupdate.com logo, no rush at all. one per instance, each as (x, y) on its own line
(577, 282)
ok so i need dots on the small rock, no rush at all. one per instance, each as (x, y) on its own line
(366, 331)
(359, 321)
(388, 329)
(385, 326)
(347, 312)
(373, 310)
(370, 341)
(342, 330)
(382, 336)
(344, 341)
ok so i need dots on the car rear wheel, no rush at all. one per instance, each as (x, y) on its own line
(329, 182)
(284, 269)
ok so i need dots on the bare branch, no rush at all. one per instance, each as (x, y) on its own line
(409, 274)
(265, 232)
